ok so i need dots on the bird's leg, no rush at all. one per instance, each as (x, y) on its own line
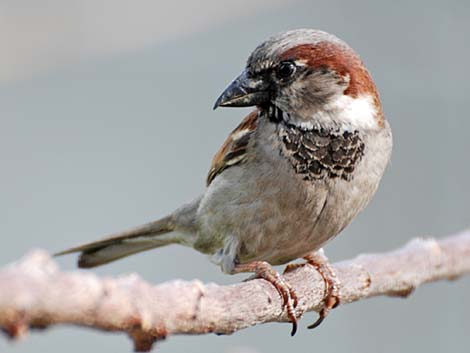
(264, 270)
(320, 262)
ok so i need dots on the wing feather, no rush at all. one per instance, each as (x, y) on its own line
(234, 149)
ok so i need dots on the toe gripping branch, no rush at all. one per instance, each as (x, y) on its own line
(264, 270)
(320, 262)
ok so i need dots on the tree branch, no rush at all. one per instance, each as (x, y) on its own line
(34, 293)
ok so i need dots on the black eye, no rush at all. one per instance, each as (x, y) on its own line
(285, 69)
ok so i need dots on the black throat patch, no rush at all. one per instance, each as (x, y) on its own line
(317, 154)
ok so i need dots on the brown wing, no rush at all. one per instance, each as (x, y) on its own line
(233, 151)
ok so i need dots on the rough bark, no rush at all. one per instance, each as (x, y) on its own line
(35, 294)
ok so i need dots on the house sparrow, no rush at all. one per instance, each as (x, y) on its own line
(290, 177)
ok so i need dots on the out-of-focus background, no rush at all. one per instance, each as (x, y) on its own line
(106, 123)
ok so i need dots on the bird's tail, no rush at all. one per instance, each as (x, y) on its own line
(146, 237)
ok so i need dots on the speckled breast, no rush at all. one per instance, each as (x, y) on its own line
(317, 154)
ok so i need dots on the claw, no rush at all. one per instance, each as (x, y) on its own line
(294, 328)
(317, 323)
(320, 262)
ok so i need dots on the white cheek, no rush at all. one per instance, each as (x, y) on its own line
(362, 111)
(355, 113)
(343, 112)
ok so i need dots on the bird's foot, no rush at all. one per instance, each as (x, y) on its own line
(320, 262)
(264, 270)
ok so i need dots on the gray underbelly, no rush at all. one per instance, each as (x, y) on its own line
(268, 219)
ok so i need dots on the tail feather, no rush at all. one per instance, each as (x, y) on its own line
(146, 237)
(112, 252)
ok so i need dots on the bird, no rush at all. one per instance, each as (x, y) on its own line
(294, 173)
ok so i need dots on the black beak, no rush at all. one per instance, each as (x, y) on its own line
(244, 91)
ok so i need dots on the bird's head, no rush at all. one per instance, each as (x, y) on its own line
(312, 77)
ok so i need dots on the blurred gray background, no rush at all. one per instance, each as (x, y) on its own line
(106, 123)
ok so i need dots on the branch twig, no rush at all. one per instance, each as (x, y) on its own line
(34, 293)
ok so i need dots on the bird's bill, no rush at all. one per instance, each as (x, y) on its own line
(244, 91)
